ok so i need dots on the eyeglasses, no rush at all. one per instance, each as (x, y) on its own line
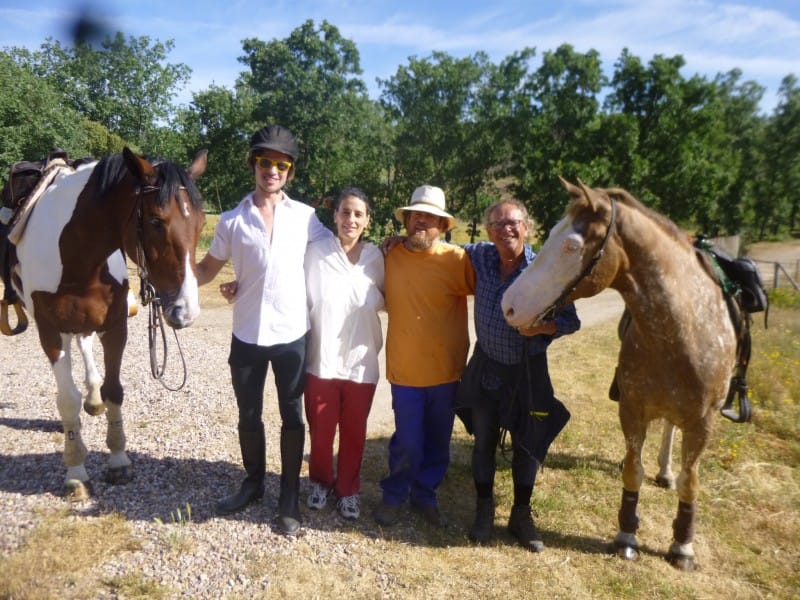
(513, 223)
(266, 163)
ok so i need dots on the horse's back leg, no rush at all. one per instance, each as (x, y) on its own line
(665, 477)
(120, 468)
(694, 442)
(93, 403)
(635, 430)
(76, 482)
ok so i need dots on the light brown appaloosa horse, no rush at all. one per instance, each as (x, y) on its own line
(678, 353)
(71, 275)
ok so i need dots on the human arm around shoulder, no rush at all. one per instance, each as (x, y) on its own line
(316, 230)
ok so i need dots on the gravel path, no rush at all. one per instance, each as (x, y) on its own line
(184, 449)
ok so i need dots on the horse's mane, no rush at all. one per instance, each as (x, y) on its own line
(112, 169)
(669, 227)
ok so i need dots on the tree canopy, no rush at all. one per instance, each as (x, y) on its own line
(697, 150)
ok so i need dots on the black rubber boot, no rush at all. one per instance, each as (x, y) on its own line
(520, 525)
(481, 530)
(292, 441)
(253, 447)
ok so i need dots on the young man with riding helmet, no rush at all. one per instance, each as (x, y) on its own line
(266, 236)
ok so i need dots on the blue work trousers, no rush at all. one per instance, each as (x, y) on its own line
(419, 450)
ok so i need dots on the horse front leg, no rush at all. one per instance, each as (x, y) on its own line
(93, 402)
(120, 467)
(681, 551)
(665, 478)
(77, 485)
(634, 428)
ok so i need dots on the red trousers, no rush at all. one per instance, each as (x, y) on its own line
(330, 403)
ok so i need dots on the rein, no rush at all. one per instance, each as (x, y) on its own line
(149, 297)
(559, 303)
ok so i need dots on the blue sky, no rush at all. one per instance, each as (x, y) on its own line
(762, 38)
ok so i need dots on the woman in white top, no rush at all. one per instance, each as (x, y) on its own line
(344, 285)
(266, 237)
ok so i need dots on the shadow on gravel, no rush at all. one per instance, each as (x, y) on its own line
(44, 425)
(163, 487)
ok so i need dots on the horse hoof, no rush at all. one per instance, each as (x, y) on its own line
(93, 409)
(682, 563)
(77, 491)
(628, 552)
(120, 475)
(665, 482)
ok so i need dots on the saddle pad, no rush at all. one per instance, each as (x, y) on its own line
(54, 168)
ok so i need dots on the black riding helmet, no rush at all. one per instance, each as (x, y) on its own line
(275, 137)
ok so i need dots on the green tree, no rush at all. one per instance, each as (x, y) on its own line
(125, 85)
(309, 83)
(776, 202)
(221, 120)
(32, 120)
(443, 136)
(554, 134)
(684, 158)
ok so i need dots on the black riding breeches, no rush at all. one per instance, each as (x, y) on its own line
(249, 364)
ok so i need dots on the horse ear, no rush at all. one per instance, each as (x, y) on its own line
(139, 166)
(199, 164)
(572, 190)
(588, 193)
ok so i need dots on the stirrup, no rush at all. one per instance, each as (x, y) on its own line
(738, 391)
(22, 319)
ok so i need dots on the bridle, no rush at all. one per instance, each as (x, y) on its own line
(559, 303)
(149, 297)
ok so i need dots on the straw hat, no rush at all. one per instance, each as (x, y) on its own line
(429, 199)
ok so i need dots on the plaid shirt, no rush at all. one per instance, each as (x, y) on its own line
(501, 342)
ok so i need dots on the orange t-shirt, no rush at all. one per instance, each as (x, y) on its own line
(427, 338)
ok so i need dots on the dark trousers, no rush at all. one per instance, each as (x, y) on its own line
(249, 364)
(532, 388)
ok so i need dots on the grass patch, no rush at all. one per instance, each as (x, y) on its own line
(59, 557)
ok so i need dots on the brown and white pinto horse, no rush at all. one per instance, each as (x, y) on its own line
(72, 277)
(677, 355)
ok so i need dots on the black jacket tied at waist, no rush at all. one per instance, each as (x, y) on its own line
(526, 404)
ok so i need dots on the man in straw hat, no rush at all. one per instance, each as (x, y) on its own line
(426, 285)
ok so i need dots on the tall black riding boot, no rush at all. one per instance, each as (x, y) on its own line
(253, 447)
(292, 441)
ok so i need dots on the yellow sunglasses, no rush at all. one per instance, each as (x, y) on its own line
(266, 163)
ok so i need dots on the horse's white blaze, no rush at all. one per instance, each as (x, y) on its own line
(117, 266)
(559, 263)
(186, 307)
(40, 265)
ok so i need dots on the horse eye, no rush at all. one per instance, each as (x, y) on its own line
(157, 223)
(571, 245)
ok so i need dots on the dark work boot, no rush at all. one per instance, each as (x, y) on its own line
(253, 447)
(292, 441)
(481, 530)
(520, 525)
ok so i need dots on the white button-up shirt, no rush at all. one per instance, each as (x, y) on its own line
(270, 303)
(344, 300)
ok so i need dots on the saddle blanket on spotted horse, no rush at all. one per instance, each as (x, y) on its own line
(745, 294)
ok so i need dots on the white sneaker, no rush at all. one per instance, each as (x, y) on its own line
(318, 497)
(349, 507)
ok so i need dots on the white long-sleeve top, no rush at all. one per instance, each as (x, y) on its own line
(270, 305)
(343, 302)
